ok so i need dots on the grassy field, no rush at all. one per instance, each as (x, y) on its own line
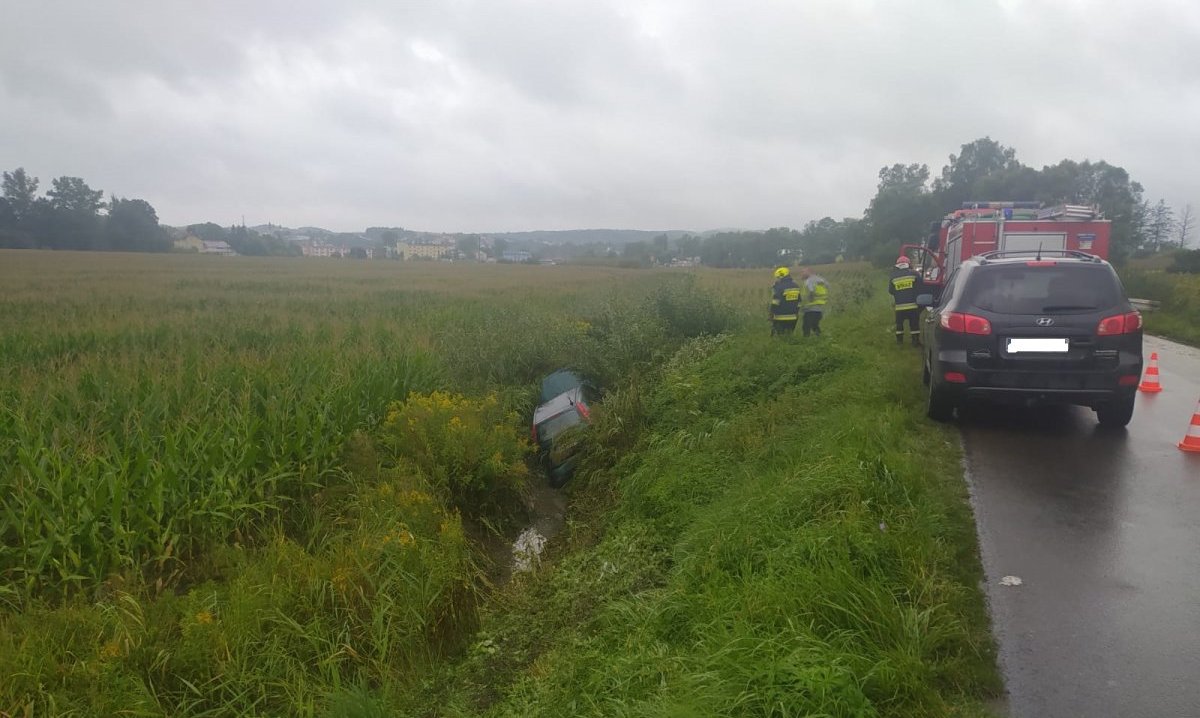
(261, 487)
(1178, 316)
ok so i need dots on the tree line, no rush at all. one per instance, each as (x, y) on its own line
(908, 199)
(72, 215)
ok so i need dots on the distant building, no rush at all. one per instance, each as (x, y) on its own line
(216, 247)
(519, 255)
(425, 250)
(317, 248)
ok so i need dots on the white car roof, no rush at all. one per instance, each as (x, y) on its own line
(557, 405)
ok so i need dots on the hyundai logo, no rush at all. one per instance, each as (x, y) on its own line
(1045, 321)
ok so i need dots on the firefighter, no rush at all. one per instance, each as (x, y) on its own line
(904, 287)
(816, 294)
(785, 303)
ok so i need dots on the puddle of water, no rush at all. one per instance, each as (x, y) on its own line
(548, 507)
(547, 510)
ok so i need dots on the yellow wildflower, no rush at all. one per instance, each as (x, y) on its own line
(204, 618)
(415, 497)
(450, 525)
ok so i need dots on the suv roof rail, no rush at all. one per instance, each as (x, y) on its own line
(1007, 253)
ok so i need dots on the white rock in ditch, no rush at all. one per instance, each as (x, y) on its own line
(527, 550)
(1011, 581)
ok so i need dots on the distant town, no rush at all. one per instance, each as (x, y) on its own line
(408, 245)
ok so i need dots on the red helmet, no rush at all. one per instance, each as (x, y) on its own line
(902, 262)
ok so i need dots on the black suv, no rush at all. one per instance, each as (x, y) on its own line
(1050, 328)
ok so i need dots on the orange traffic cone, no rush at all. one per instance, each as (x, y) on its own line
(1191, 440)
(1150, 383)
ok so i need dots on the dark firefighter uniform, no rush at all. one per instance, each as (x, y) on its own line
(904, 286)
(785, 305)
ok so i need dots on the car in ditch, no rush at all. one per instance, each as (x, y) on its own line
(1044, 327)
(564, 411)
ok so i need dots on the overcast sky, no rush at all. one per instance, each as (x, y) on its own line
(491, 115)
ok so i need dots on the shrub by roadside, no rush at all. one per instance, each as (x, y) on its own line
(468, 449)
(1178, 314)
(1185, 261)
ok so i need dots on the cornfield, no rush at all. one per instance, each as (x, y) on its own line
(152, 407)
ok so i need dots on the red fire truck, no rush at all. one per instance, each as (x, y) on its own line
(981, 227)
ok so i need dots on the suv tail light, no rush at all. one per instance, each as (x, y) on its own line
(960, 323)
(1120, 324)
(584, 411)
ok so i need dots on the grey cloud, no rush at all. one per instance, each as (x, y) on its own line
(520, 114)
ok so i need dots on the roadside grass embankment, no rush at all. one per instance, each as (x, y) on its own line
(1178, 314)
(764, 527)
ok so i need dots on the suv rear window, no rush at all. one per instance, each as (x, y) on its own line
(1058, 288)
(555, 425)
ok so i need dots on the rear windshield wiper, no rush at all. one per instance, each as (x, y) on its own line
(1065, 307)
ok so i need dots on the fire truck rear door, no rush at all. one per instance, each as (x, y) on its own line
(1031, 241)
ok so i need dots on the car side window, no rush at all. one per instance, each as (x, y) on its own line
(948, 290)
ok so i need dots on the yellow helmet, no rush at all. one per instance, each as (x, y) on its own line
(782, 272)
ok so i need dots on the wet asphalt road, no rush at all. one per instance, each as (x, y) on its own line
(1103, 529)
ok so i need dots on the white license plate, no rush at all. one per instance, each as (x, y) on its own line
(1045, 346)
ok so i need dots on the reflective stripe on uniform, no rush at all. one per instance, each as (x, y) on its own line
(785, 317)
(904, 307)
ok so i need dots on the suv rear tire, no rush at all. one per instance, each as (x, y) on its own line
(1117, 413)
(939, 405)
